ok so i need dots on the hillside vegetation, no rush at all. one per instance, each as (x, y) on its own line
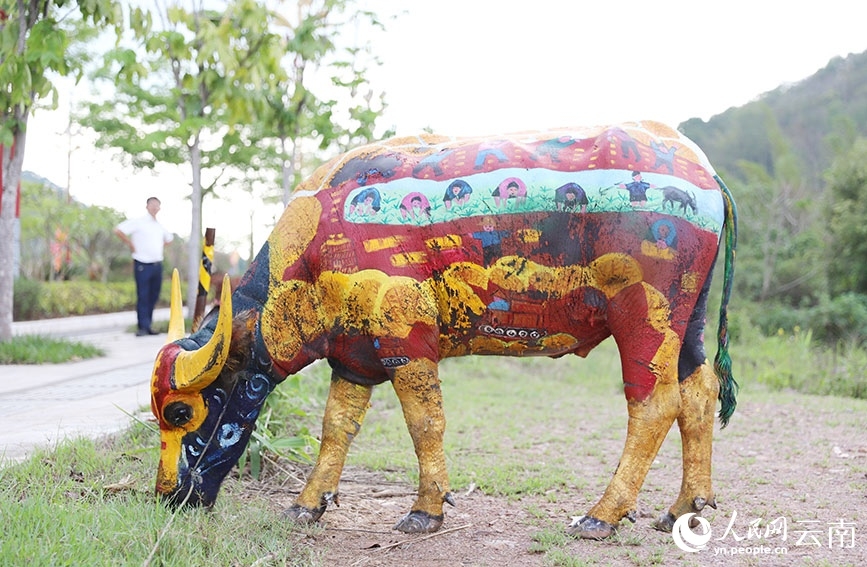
(795, 160)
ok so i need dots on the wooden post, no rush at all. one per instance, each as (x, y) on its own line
(204, 277)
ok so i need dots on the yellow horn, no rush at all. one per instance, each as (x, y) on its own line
(198, 368)
(176, 315)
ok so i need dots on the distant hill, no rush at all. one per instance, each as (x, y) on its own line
(806, 112)
(30, 177)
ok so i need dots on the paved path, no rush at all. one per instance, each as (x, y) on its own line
(43, 404)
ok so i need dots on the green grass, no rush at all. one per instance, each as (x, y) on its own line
(794, 361)
(92, 503)
(498, 406)
(35, 349)
(512, 423)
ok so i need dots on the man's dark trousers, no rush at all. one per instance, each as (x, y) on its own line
(148, 279)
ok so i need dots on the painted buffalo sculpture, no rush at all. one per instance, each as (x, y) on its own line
(510, 246)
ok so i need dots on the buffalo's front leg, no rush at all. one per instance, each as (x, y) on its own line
(698, 395)
(344, 414)
(648, 352)
(418, 388)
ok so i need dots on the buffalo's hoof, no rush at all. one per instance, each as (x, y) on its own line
(665, 523)
(418, 522)
(588, 527)
(304, 515)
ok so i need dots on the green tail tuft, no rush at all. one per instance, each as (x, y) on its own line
(722, 364)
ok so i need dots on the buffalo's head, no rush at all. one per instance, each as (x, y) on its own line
(206, 393)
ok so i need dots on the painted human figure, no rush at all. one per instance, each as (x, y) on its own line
(551, 148)
(490, 148)
(366, 202)
(665, 234)
(433, 161)
(569, 196)
(637, 189)
(457, 193)
(662, 241)
(627, 144)
(664, 156)
(415, 205)
(510, 188)
(491, 240)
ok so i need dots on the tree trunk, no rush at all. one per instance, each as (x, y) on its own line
(194, 245)
(11, 174)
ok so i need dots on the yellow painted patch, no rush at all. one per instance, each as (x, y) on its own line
(455, 297)
(559, 343)
(368, 302)
(689, 282)
(451, 346)
(484, 344)
(529, 235)
(651, 250)
(658, 309)
(171, 437)
(293, 234)
(377, 244)
(170, 454)
(446, 242)
(290, 318)
(611, 273)
(408, 258)
(402, 303)
(374, 303)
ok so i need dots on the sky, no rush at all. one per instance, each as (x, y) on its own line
(470, 67)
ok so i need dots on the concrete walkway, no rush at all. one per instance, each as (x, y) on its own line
(41, 405)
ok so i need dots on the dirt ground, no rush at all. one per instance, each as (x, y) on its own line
(797, 463)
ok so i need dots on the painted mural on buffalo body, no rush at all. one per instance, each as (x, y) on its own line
(399, 254)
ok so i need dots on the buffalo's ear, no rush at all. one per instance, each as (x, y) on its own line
(243, 327)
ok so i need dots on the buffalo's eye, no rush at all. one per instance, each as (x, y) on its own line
(178, 413)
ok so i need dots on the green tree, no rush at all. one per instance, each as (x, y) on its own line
(180, 88)
(35, 41)
(96, 248)
(303, 117)
(781, 239)
(294, 112)
(45, 219)
(847, 220)
(83, 233)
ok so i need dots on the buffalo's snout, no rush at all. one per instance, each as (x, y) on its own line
(186, 497)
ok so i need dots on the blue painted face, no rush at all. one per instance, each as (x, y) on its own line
(210, 452)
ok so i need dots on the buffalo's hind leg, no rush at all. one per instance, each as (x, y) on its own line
(699, 390)
(417, 387)
(648, 352)
(344, 413)
(698, 395)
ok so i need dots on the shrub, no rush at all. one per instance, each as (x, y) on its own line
(25, 302)
(843, 318)
(46, 300)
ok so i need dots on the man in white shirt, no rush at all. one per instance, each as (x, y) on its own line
(146, 239)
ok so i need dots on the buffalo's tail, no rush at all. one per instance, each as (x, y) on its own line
(722, 364)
